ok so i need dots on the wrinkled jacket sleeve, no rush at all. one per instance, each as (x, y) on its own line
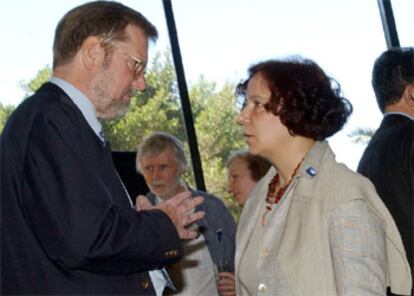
(74, 205)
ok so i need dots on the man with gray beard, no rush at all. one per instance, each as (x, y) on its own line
(162, 161)
(67, 224)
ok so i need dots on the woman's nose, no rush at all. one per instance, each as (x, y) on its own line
(243, 117)
(230, 187)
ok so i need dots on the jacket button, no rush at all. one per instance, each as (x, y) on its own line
(145, 284)
(265, 252)
(262, 288)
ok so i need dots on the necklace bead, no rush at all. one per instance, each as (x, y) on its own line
(273, 197)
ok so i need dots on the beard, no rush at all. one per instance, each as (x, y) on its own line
(168, 190)
(107, 106)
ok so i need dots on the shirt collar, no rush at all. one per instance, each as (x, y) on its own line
(82, 102)
(399, 113)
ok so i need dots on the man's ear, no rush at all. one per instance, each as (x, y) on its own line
(408, 96)
(92, 52)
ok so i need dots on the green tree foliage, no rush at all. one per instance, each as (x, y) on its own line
(5, 112)
(159, 109)
(362, 135)
(30, 87)
(34, 84)
(156, 109)
(218, 134)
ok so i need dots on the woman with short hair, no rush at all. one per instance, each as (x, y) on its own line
(311, 226)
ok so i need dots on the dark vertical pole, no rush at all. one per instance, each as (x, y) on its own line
(388, 23)
(185, 101)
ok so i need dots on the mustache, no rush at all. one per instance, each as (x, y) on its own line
(131, 92)
(157, 183)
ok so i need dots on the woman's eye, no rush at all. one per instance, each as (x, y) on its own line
(258, 105)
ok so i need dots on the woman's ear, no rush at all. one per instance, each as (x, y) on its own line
(92, 52)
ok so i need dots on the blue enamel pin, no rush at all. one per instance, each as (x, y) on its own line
(311, 171)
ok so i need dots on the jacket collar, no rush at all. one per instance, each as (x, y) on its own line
(311, 164)
(255, 204)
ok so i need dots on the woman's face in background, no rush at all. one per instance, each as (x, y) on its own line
(240, 181)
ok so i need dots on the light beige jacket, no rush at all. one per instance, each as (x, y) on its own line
(304, 251)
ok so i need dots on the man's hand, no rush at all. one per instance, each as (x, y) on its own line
(180, 209)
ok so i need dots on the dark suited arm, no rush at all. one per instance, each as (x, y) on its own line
(72, 211)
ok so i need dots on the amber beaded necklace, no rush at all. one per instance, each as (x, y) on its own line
(273, 197)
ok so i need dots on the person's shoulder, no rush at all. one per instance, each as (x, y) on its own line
(394, 136)
(329, 173)
(395, 125)
(343, 175)
(344, 184)
(209, 198)
(48, 99)
(206, 195)
(217, 211)
(45, 104)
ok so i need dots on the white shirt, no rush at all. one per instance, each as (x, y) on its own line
(82, 102)
(158, 281)
(197, 268)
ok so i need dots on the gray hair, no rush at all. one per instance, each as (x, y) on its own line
(156, 143)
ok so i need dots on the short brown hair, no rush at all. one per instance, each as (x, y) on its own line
(257, 165)
(105, 19)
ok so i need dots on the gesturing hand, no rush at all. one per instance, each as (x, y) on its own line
(179, 208)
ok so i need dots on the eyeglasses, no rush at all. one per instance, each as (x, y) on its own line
(138, 66)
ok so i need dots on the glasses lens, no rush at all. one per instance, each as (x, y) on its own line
(138, 68)
(138, 65)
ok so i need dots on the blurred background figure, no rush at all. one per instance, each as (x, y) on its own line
(244, 170)
(162, 161)
(388, 160)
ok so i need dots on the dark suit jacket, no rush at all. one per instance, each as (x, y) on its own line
(67, 226)
(388, 162)
(125, 164)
